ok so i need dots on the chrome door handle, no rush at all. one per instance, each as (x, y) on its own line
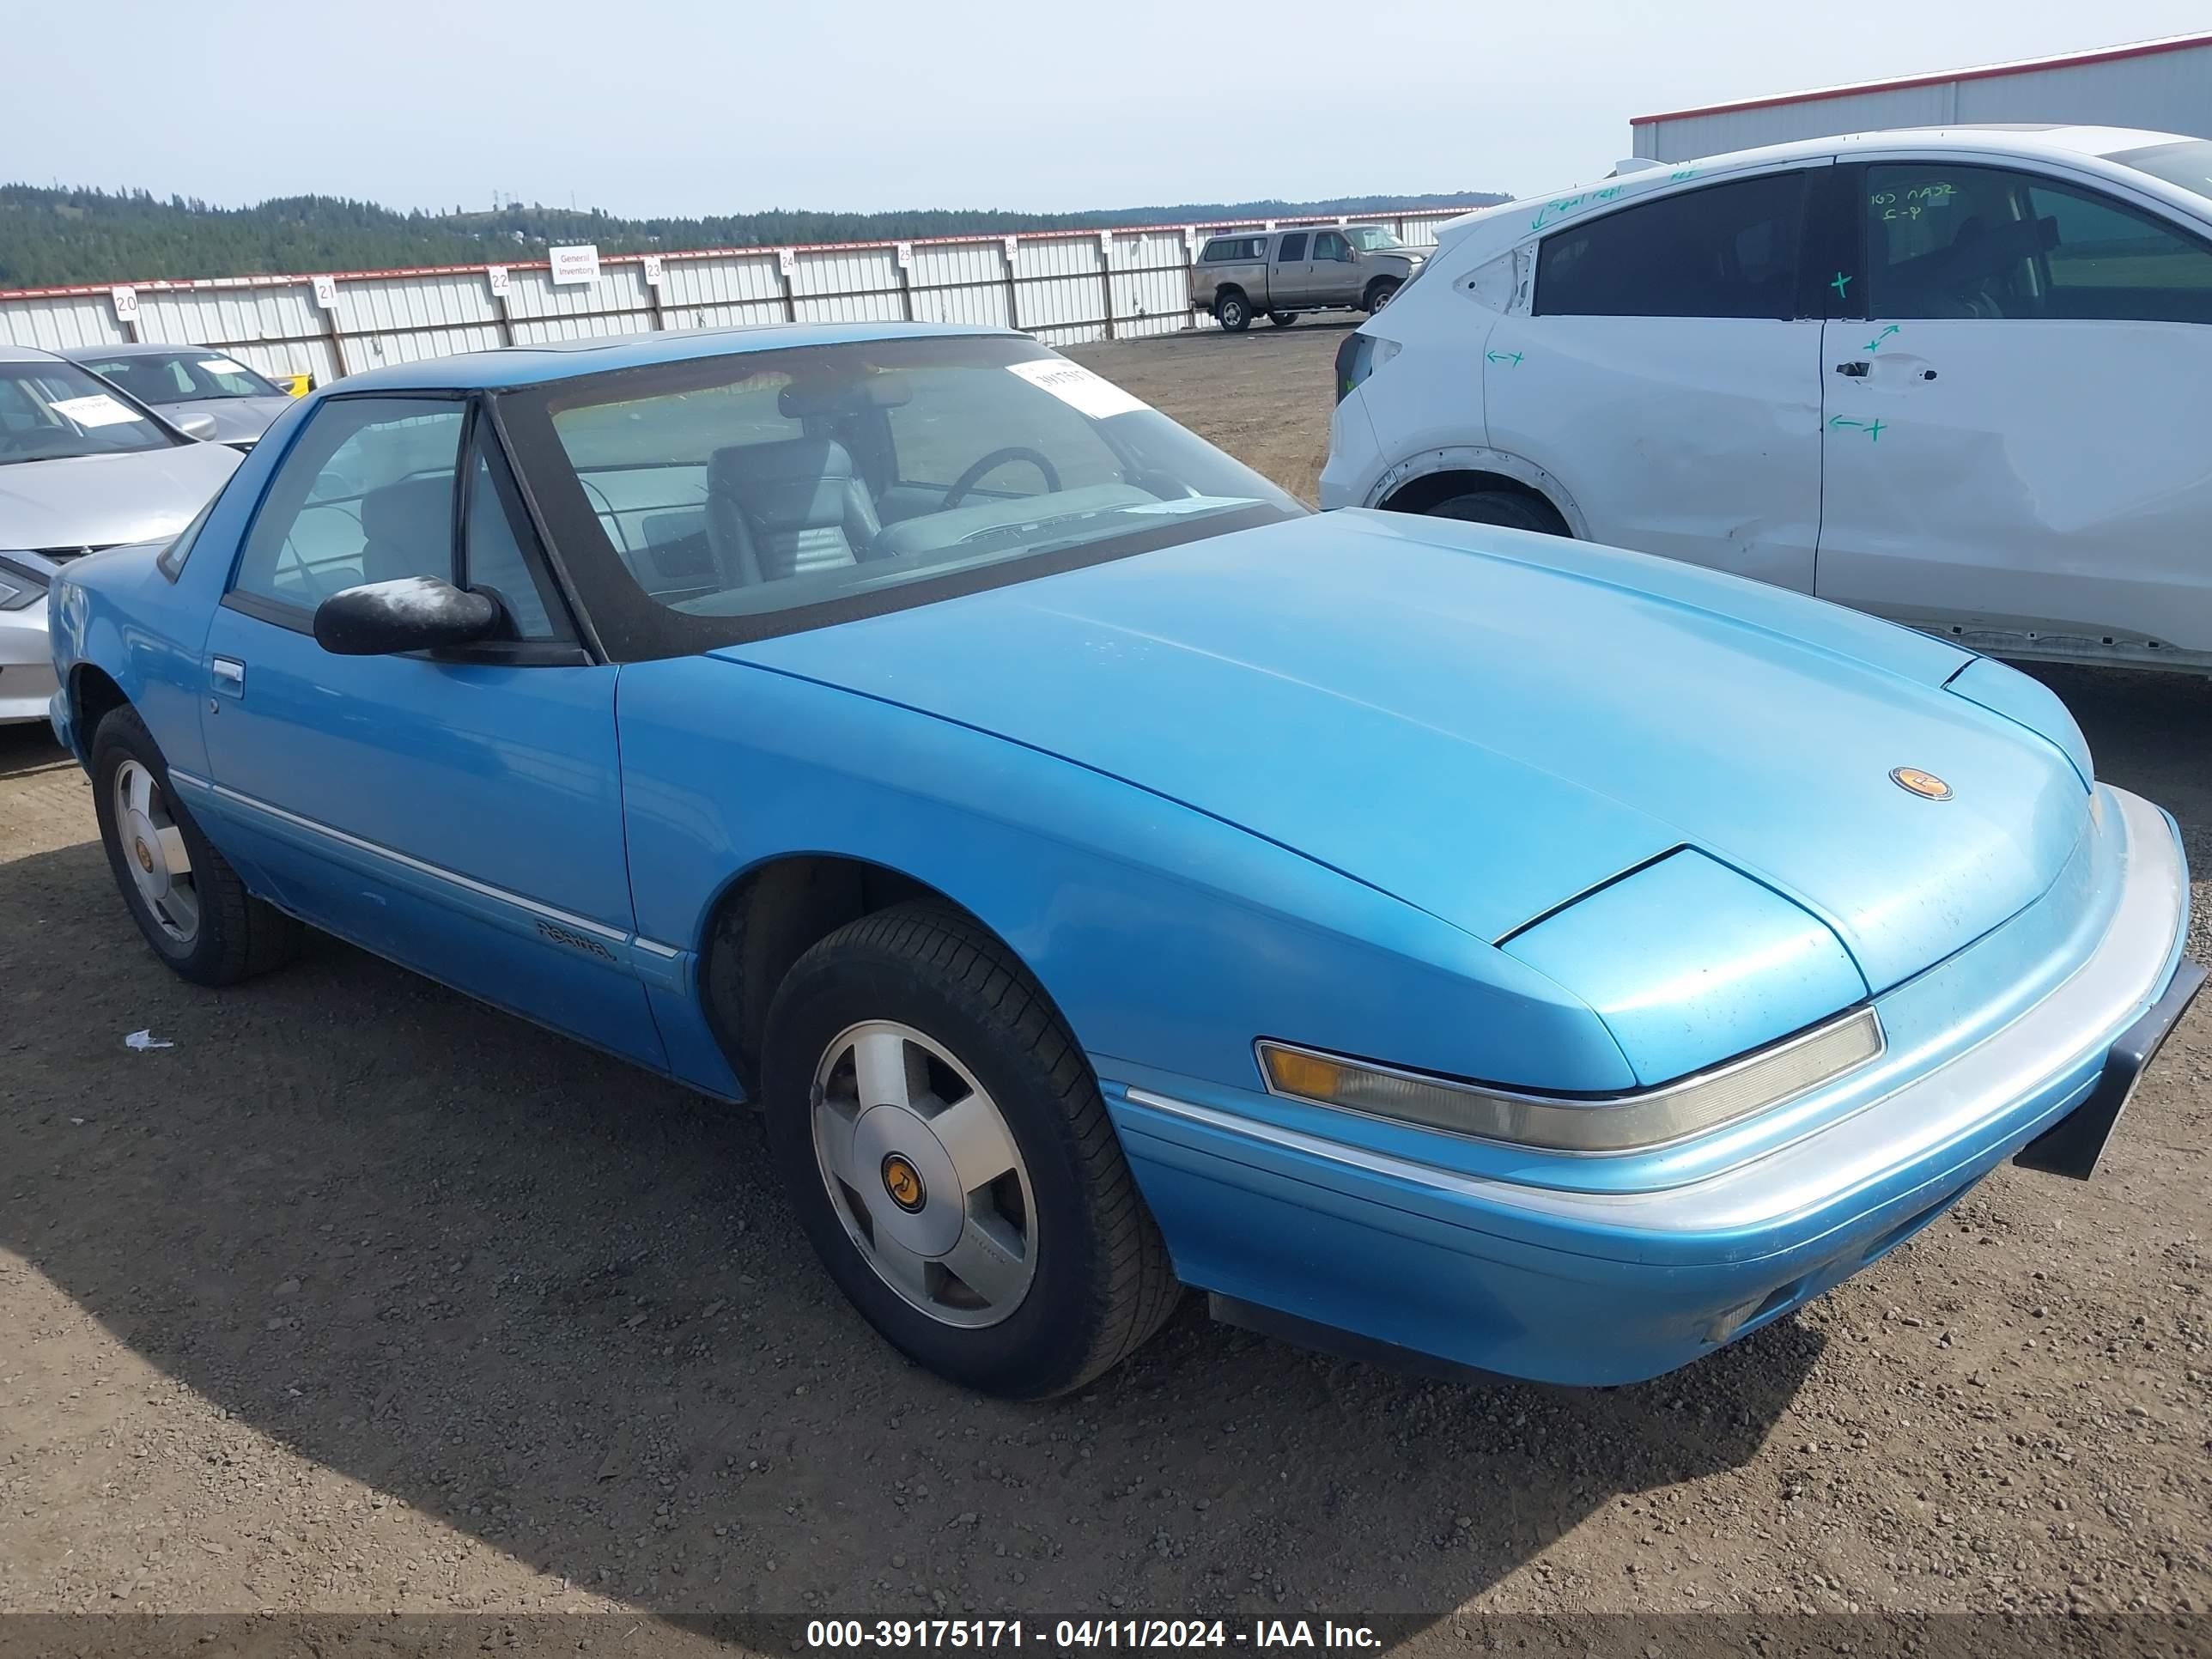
(229, 676)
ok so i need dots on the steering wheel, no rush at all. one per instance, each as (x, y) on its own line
(998, 457)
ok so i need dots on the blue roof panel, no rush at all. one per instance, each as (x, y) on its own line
(562, 359)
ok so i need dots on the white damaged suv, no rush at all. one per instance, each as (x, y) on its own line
(1956, 377)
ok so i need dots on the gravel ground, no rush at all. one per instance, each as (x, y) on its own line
(363, 1298)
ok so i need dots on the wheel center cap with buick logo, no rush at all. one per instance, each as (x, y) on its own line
(904, 1182)
(1926, 785)
(144, 854)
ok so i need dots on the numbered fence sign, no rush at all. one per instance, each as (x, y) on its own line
(786, 262)
(326, 293)
(904, 252)
(496, 275)
(652, 270)
(126, 303)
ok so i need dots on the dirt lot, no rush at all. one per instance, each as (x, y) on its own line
(362, 1298)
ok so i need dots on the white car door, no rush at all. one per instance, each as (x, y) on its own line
(1666, 373)
(2018, 427)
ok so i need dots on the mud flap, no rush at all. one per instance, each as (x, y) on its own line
(2072, 1147)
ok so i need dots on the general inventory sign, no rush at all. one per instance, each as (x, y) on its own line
(575, 266)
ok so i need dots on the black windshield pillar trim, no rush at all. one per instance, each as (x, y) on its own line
(548, 542)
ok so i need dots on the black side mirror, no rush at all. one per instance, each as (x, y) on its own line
(414, 613)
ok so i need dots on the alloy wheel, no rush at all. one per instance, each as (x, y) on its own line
(924, 1174)
(154, 852)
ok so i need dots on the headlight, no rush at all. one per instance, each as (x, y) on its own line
(1560, 1123)
(21, 586)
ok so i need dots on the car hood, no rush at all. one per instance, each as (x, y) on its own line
(237, 420)
(1487, 724)
(96, 501)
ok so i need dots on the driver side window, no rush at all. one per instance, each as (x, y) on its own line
(1330, 245)
(366, 495)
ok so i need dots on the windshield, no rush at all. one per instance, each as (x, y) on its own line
(796, 484)
(1372, 239)
(54, 411)
(2188, 164)
(176, 377)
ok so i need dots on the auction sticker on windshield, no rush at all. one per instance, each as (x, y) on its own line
(1078, 387)
(97, 410)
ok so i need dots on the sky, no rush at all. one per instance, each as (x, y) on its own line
(690, 106)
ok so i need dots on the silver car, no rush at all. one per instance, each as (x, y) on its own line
(84, 465)
(186, 380)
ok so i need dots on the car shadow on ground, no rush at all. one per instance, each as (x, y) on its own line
(560, 1305)
(28, 748)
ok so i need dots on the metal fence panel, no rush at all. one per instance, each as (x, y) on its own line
(961, 283)
(58, 325)
(1151, 285)
(1064, 286)
(1058, 293)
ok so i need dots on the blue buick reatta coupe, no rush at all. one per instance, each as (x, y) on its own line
(1109, 877)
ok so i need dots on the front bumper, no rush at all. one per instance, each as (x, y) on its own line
(1582, 1275)
(27, 665)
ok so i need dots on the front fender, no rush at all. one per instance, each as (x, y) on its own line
(1168, 938)
(115, 611)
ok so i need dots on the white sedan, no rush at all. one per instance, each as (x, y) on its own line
(1956, 377)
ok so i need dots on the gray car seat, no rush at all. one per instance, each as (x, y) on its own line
(780, 509)
(408, 530)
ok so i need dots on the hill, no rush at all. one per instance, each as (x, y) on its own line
(71, 235)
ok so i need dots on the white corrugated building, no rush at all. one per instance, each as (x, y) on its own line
(2163, 86)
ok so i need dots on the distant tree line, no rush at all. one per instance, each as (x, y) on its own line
(73, 235)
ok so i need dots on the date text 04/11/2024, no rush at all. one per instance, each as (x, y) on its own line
(1067, 1634)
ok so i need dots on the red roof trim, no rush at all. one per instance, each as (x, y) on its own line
(288, 279)
(1985, 72)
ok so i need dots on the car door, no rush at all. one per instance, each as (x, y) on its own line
(2018, 430)
(1291, 276)
(1334, 280)
(461, 813)
(1667, 374)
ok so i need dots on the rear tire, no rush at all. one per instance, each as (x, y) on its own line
(1509, 507)
(1282, 318)
(1378, 294)
(186, 899)
(871, 1034)
(1233, 312)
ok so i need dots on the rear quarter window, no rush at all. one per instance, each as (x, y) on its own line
(1728, 250)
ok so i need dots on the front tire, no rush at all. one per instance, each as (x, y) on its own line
(951, 1159)
(1233, 312)
(1282, 318)
(1378, 295)
(186, 899)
